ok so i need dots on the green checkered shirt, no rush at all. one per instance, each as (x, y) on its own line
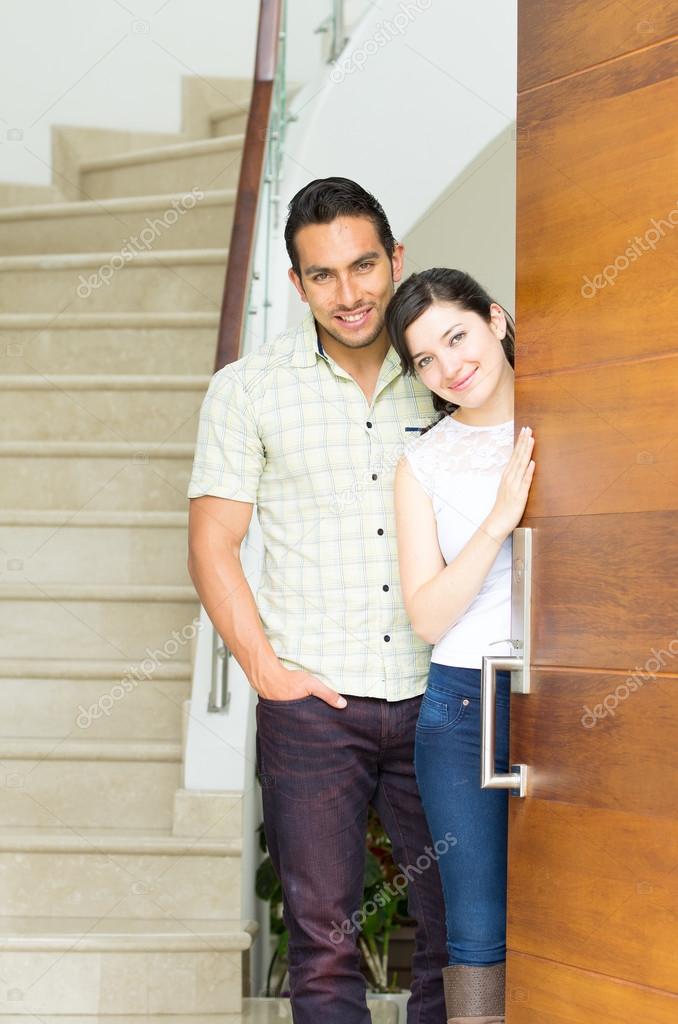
(287, 428)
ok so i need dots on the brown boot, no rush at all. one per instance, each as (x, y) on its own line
(474, 995)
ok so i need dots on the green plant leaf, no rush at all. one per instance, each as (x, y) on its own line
(267, 884)
(373, 872)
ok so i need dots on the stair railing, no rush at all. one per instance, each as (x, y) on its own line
(335, 27)
(263, 146)
(257, 195)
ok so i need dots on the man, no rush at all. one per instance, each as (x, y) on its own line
(310, 427)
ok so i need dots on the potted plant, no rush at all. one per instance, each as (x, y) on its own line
(382, 915)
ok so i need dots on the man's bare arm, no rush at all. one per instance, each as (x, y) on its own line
(216, 530)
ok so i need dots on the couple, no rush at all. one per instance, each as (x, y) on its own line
(311, 428)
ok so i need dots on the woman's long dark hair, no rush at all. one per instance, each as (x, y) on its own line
(419, 292)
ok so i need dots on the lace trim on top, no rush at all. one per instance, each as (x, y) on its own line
(451, 448)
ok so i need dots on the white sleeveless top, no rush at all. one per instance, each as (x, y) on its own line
(460, 467)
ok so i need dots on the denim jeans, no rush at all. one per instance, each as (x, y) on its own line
(447, 758)
(320, 769)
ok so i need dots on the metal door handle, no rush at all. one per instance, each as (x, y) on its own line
(519, 667)
(516, 779)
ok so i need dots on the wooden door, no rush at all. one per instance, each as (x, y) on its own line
(593, 857)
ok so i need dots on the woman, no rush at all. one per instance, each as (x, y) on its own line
(460, 491)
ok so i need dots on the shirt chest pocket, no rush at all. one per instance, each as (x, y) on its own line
(415, 426)
(410, 430)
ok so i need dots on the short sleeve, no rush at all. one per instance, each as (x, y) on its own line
(419, 466)
(229, 454)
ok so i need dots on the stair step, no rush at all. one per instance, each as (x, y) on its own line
(36, 749)
(20, 194)
(57, 872)
(185, 280)
(82, 517)
(79, 783)
(103, 408)
(132, 706)
(130, 841)
(206, 164)
(229, 121)
(96, 622)
(146, 1018)
(99, 550)
(73, 144)
(88, 592)
(254, 1011)
(123, 934)
(140, 452)
(111, 382)
(41, 475)
(71, 668)
(208, 813)
(129, 226)
(124, 966)
(134, 343)
(115, 321)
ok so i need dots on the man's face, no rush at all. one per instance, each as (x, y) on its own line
(347, 278)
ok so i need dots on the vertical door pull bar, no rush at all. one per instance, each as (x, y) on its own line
(518, 666)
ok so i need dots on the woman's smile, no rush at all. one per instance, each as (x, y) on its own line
(465, 381)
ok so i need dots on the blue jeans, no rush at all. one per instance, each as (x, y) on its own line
(447, 761)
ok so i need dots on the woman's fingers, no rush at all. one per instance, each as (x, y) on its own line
(529, 473)
(521, 455)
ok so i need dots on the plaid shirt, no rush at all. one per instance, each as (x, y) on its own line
(287, 428)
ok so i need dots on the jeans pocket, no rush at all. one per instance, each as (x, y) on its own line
(440, 714)
(286, 703)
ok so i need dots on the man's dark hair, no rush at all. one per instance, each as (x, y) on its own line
(323, 200)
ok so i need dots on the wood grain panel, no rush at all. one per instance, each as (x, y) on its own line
(604, 589)
(561, 37)
(538, 991)
(614, 430)
(575, 730)
(602, 887)
(597, 232)
(593, 850)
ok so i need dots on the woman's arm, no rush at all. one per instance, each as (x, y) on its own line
(437, 595)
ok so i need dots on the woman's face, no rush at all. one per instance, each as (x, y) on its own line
(458, 355)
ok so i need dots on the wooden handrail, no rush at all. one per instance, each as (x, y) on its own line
(241, 249)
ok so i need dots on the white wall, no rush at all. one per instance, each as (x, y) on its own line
(472, 225)
(406, 116)
(119, 63)
(424, 93)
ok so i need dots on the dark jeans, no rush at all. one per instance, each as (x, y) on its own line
(320, 769)
(447, 761)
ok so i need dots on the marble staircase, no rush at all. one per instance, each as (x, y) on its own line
(120, 890)
(253, 1011)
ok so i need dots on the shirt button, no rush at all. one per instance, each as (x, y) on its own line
(385, 587)
(380, 532)
(369, 424)
(374, 476)
(387, 638)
